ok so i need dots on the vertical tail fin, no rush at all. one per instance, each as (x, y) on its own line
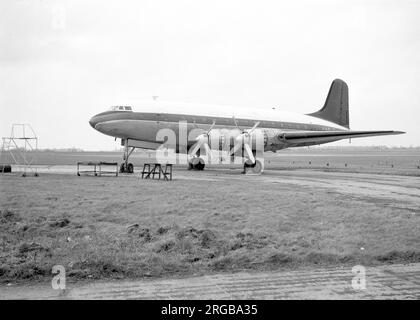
(336, 107)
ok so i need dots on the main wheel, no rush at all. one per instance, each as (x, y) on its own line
(255, 168)
(199, 166)
(122, 168)
(197, 163)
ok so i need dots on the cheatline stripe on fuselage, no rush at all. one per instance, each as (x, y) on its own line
(208, 120)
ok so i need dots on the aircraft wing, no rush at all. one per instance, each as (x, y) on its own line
(298, 137)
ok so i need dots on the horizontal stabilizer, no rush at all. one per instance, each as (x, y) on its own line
(327, 136)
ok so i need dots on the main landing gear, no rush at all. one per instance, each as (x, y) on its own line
(126, 168)
(253, 168)
(196, 163)
(256, 167)
(242, 141)
(194, 160)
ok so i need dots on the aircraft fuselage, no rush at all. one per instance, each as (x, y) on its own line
(145, 124)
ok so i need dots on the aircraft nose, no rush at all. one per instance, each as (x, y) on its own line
(93, 122)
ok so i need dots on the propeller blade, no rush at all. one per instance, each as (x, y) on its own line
(236, 123)
(211, 127)
(249, 153)
(240, 137)
(236, 147)
(195, 148)
(208, 150)
(201, 139)
(254, 127)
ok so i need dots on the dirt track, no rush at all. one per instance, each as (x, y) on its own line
(383, 282)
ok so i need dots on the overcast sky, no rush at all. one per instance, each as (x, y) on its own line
(61, 62)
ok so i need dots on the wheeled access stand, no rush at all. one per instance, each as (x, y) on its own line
(97, 168)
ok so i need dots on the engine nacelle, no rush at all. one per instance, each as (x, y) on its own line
(273, 140)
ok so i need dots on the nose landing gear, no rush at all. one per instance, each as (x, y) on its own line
(127, 167)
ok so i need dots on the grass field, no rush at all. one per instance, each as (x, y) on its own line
(203, 222)
(402, 161)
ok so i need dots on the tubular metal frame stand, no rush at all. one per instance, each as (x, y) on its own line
(21, 148)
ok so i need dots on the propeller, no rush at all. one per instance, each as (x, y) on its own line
(243, 139)
(236, 123)
(203, 140)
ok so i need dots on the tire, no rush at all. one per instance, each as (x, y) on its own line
(130, 168)
(5, 168)
(122, 168)
(198, 164)
(248, 164)
(256, 168)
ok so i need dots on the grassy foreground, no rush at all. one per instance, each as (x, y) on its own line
(109, 227)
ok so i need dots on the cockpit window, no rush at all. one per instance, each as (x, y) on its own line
(121, 108)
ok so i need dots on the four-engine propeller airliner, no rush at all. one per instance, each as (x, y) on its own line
(279, 129)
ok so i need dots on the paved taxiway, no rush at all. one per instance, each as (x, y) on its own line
(382, 282)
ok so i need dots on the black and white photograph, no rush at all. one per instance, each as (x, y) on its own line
(209, 156)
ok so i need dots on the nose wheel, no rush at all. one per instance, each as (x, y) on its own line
(126, 168)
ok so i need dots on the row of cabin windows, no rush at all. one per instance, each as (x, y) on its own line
(250, 123)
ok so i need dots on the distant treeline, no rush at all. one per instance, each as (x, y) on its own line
(52, 150)
(366, 148)
(348, 148)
